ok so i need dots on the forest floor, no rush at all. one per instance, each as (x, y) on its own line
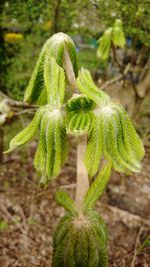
(28, 215)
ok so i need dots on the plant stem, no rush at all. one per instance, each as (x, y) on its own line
(67, 64)
(82, 176)
(82, 183)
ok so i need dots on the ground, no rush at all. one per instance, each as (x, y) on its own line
(28, 215)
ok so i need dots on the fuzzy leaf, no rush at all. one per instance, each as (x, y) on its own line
(27, 134)
(79, 123)
(121, 144)
(64, 200)
(61, 230)
(102, 250)
(64, 253)
(97, 188)
(80, 102)
(53, 48)
(99, 225)
(53, 145)
(80, 241)
(36, 84)
(118, 37)
(40, 155)
(87, 87)
(94, 148)
(54, 78)
(104, 45)
(82, 248)
(93, 253)
(79, 115)
(52, 149)
(56, 44)
(113, 135)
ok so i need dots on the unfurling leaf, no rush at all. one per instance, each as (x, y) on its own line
(79, 115)
(80, 241)
(44, 75)
(64, 200)
(97, 188)
(28, 133)
(118, 37)
(114, 136)
(52, 149)
(94, 149)
(56, 45)
(89, 89)
(54, 77)
(36, 86)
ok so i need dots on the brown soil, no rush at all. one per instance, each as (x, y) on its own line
(32, 215)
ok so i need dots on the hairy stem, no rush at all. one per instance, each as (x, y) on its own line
(82, 176)
(82, 184)
(69, 71)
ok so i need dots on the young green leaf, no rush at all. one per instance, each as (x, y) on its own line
(56, 44)
(97, 188)
(113, 135)
(43, 79)
(104, 45)
(122, 144)
(53, 144)
(64, 200)
(87, 87)
(54, 78)
(28, 133)
(79, 115)
(94, 148)
(41, 152)
(118, 37)
(82, 248)
(36, 84)
(79, 242)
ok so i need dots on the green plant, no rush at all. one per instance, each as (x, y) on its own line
(112, 37)
(103, 130)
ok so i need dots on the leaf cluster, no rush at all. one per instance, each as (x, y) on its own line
(115, 36)
(111, 134)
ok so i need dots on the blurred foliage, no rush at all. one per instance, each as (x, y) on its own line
(135, 15)
(13, 37)
(25, 25)
(3, 225)
(87, 59)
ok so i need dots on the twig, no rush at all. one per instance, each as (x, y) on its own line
(26, 228)
(15, 103)
(136, 245)
(31, 111)
(146, 67)
(118, 78)
(116, 59)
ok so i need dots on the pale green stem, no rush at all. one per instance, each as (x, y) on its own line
(82, 184)
(67, 64)
(82, 176)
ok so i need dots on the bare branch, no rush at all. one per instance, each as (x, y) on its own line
(118, 78)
